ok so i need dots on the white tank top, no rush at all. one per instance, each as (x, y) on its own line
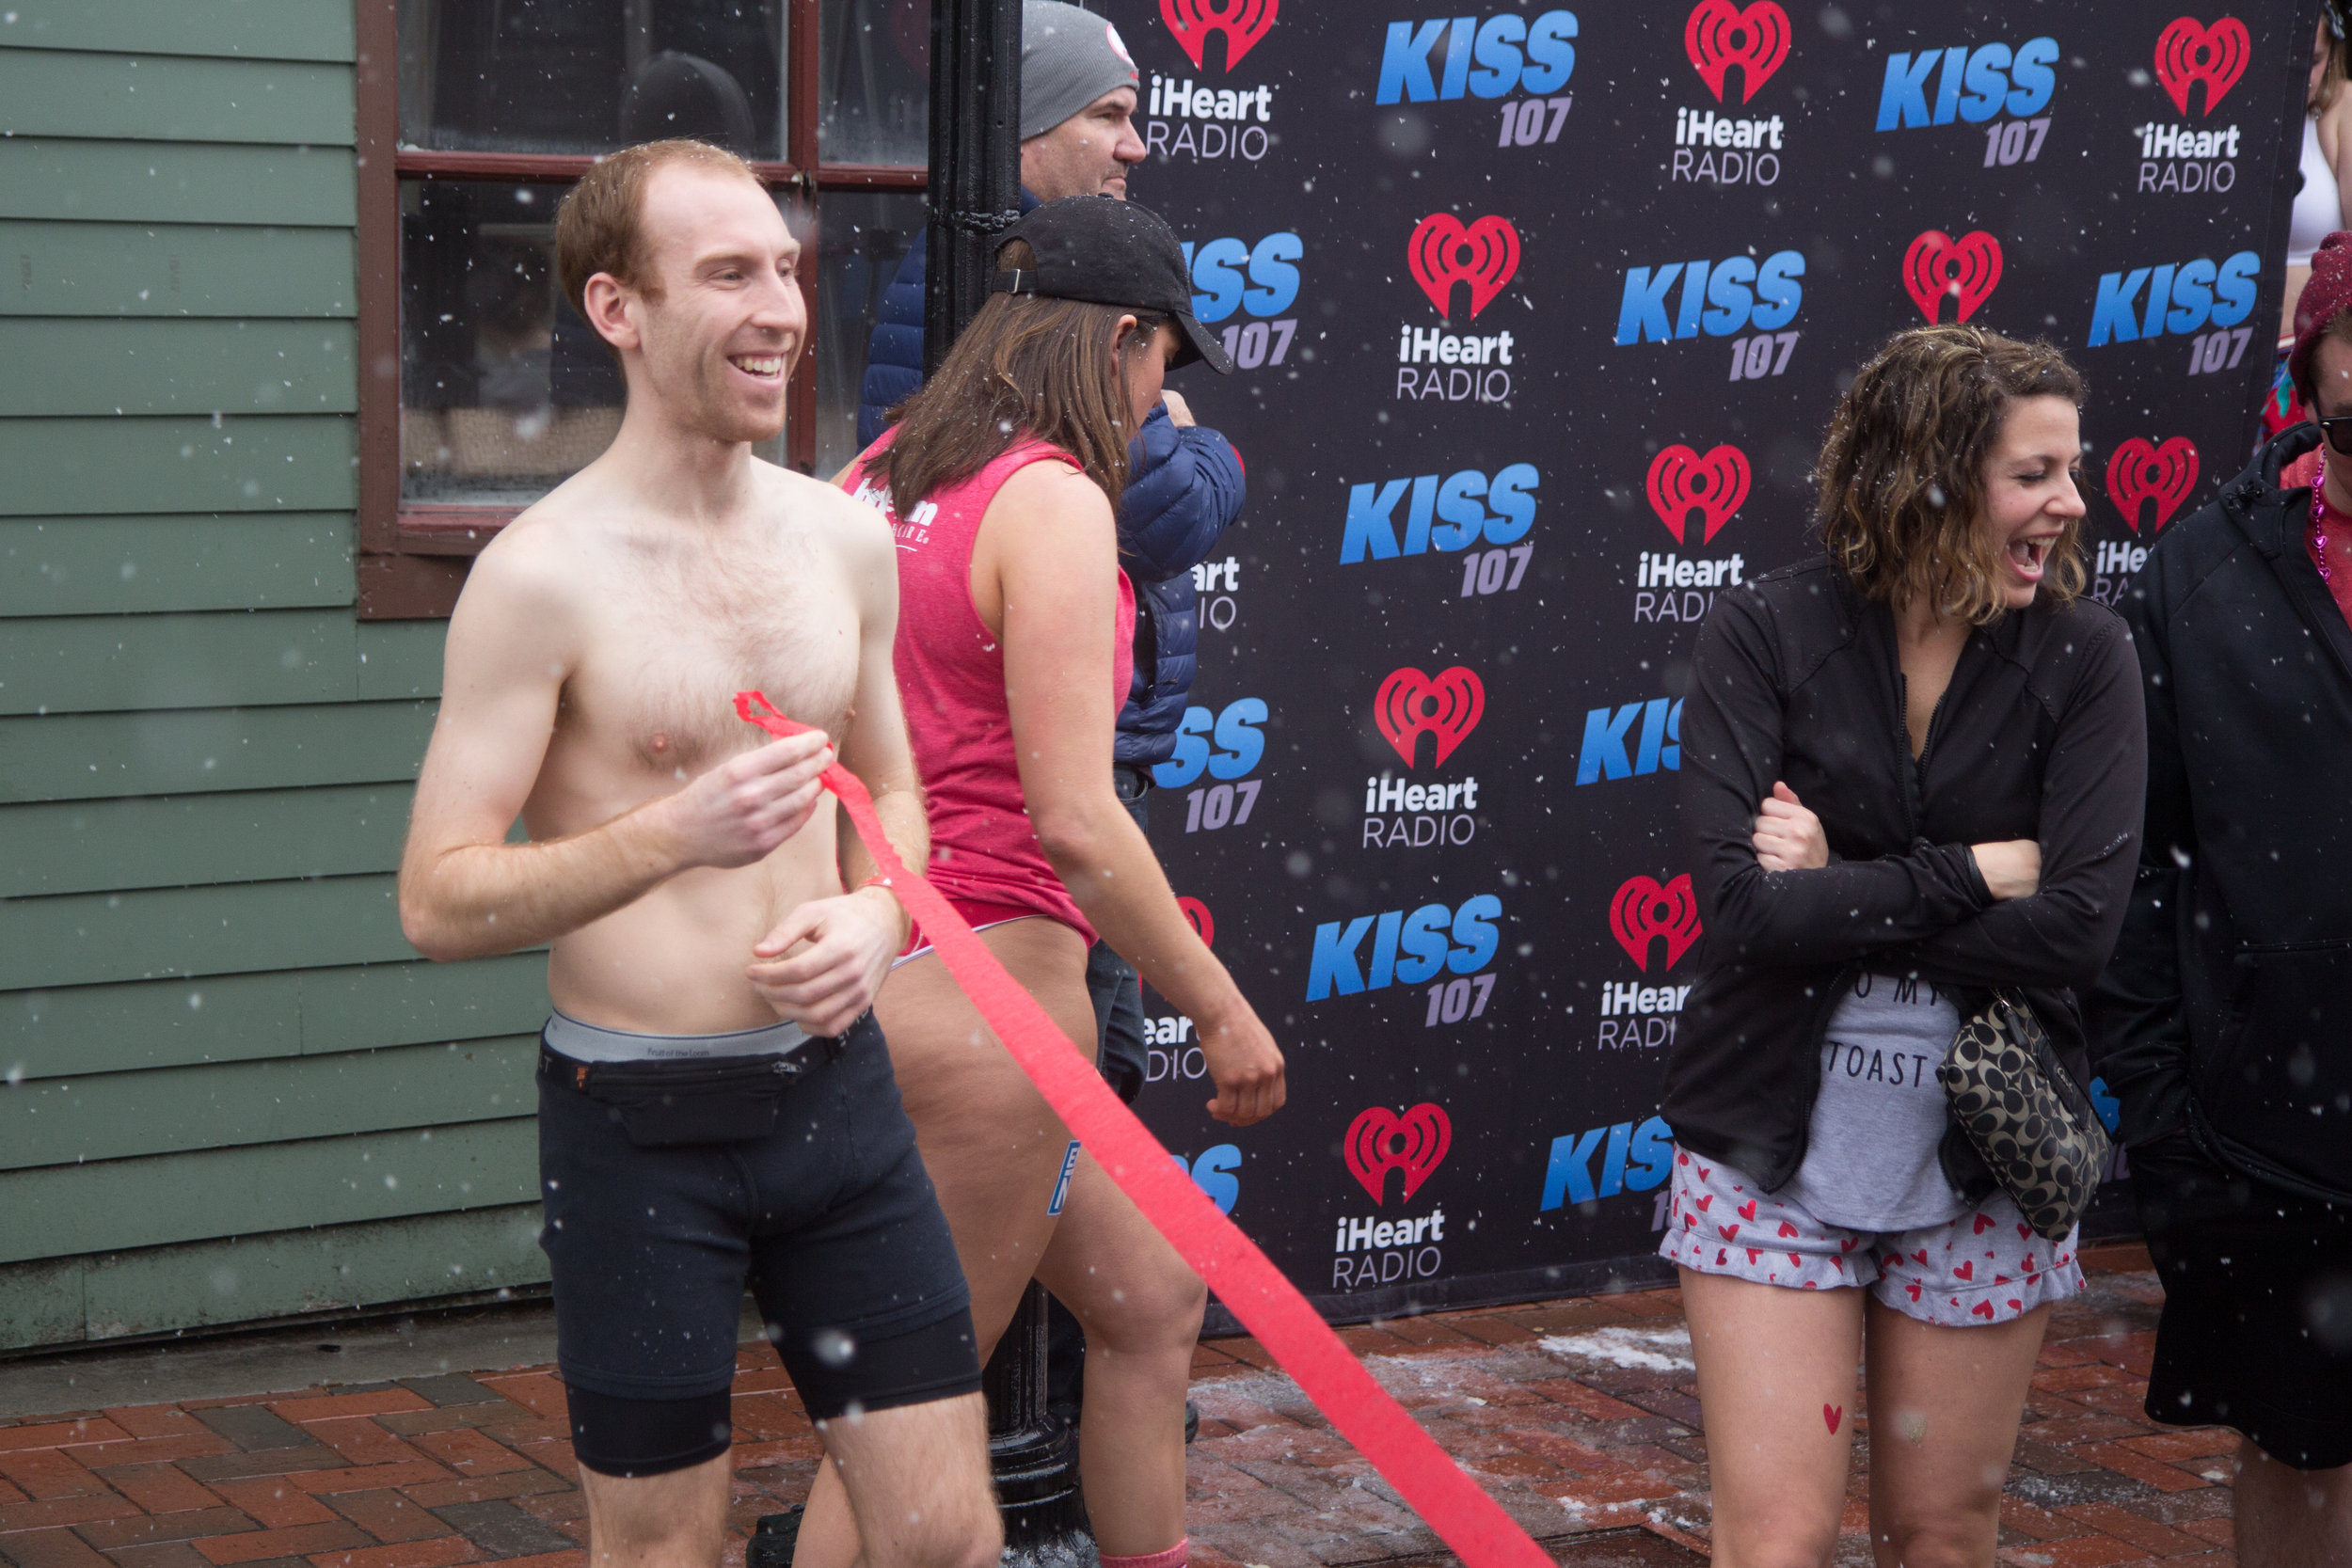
(2318, 206)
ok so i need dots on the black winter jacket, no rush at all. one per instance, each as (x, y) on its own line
(2039, 736)
(2228, 1010)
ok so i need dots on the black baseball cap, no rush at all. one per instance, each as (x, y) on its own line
(1107, 251)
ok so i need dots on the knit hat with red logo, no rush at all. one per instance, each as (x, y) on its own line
(2327, 295)
(1069, 58)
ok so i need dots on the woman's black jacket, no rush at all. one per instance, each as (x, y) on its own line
(2229, 1007)
(2040, 736)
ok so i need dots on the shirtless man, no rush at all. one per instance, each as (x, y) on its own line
(715, 1100)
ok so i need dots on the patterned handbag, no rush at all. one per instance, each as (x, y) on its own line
(2044, 1146)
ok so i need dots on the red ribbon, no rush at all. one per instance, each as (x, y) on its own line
(1267, 1304)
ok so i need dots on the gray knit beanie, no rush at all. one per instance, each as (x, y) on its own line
(1069, 57)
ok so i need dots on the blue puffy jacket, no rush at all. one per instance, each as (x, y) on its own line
(1184, 488)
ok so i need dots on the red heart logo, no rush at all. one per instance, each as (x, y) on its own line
(2000, 1279)
(1937, 265)
(1411, 705)
(1837, 1263)
(1795, 1262)
(2142, 471)
(1379, 1141)
(1242, 22)
(1755, 1253)
(1747, 1210)
(1965, 1270)
(1913, 1290)
(1728, 1232)
(1722, 1256)
(1688, 1223)
(1833, 1413)
(1982, 1309)
(1720, 36)
(1787, 1230)
(2188, 52)
(1195, 914)
(1704, 1173)
(1681, 479)
(1850, 1244)
(1984, 1223)
(1643, 910)
(1920, 1257)
(2016, 1305)
(1443, 253)
(2024, 1230)
(1705, 1201)
(2029, 1262)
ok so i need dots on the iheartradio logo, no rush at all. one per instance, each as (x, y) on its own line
(1196, 915)
(2189, 51)
(1242, 22)
(1937, 267)
(1682, 483)
(1443, 252)
(1411, 705)
(1720, 35)
(1379, 1141)
(2141, 472)
(1642, 910)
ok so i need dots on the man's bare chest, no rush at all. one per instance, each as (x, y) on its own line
(665, 660)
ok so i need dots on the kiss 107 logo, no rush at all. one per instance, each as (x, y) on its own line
(1447, 57)
(1260, 280)
(1239, 744)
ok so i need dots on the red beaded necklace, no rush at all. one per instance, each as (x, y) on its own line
(2319, 523)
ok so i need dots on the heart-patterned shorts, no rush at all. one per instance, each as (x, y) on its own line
(1985, 1267)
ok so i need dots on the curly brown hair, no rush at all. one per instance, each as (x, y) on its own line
(1901, 474)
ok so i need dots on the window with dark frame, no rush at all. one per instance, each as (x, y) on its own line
(480, 388)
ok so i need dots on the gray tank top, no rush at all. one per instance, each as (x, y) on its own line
(1871, 1163)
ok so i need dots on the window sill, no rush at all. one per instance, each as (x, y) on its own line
(419, 577)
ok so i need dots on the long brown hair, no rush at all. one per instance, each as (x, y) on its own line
(1901, 473)
(1027, 367)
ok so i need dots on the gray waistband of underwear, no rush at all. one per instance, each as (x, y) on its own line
(589, 1042)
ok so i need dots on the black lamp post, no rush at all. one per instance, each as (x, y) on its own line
(975, 186)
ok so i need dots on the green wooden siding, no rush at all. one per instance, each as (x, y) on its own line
(176, 367)
(127, 565)
(199, 30)
(132, 269)
(229, 1090)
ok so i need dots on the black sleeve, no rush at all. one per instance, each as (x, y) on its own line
(1731, 758)
(2092, 792)
(2138, 1037)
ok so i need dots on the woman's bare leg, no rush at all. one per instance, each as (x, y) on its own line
(993, 1146)
(1776, 1383)
(1945, 1406)
(1140, 1305)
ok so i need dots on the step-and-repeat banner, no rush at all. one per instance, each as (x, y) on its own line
(1540, 314)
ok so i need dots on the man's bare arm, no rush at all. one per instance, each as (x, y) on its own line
(822, 966)
(464, 891)
(876, 747)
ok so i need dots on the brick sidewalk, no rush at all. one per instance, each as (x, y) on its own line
(1578, 1415)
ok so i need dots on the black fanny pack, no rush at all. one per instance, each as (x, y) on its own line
(716, 1100)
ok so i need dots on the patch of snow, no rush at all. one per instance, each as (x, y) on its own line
(1649, 1350)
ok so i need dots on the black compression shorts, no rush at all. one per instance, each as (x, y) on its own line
(830, 1218)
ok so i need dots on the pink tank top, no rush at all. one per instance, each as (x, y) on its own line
(951, 678)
